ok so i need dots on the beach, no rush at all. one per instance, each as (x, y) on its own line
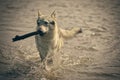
(91, 55)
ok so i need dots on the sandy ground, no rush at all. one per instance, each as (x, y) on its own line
(92, 55)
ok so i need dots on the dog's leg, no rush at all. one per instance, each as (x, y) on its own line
(66, 34)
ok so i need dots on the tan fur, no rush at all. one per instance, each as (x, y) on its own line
(49, 44)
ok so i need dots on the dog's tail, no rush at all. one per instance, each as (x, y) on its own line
(70, 33)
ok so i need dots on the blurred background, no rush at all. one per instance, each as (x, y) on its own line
(92, 55)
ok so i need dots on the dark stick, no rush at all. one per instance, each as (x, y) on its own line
(17, 37)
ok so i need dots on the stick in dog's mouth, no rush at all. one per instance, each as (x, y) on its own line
(17, 37)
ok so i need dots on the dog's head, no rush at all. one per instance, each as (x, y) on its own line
(45, 24)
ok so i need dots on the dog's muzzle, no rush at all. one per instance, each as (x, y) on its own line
(41, 33)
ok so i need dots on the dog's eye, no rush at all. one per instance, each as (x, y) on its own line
(38, 22)
(46, 22)
(53, 23)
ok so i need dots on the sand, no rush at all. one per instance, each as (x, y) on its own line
(92, 55)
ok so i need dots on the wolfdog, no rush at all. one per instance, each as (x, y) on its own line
(51, 39)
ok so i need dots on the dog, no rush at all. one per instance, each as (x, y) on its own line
(51, 39)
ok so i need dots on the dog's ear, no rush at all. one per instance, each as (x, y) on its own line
(39, 13)
(53, 15)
